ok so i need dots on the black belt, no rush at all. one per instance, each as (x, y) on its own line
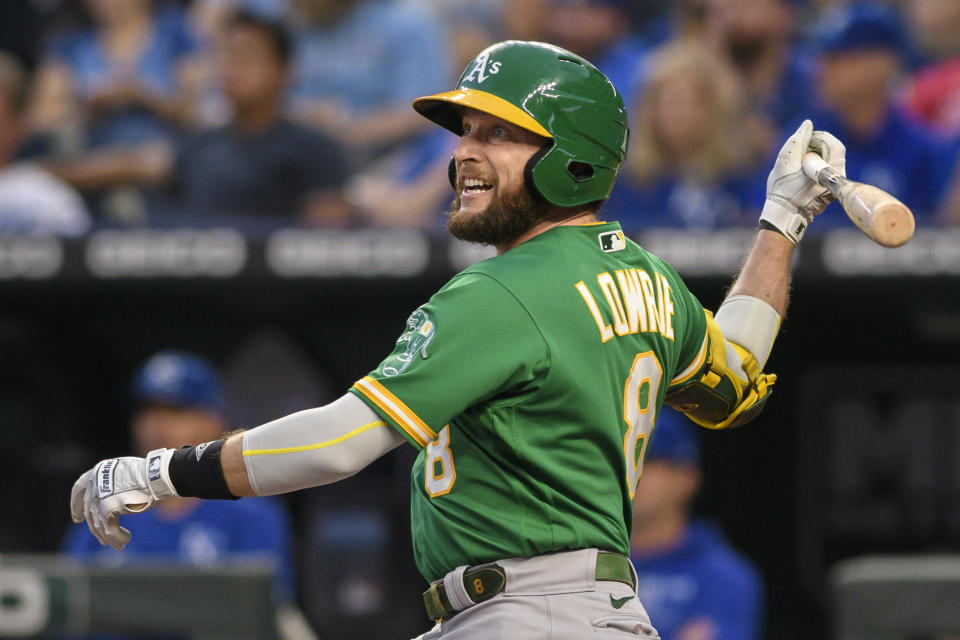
(484, 582)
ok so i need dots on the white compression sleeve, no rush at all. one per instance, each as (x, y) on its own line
(751, 323)
(316, 446)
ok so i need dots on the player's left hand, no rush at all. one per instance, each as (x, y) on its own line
(114, 487)
(793, 198)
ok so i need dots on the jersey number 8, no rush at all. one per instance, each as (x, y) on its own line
(440, 472)
(639, 412)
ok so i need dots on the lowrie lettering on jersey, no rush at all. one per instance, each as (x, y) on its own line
(636, 303)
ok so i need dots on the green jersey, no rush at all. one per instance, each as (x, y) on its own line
(531, 383)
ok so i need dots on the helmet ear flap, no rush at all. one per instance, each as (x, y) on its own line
(452, 173)
(528, 171)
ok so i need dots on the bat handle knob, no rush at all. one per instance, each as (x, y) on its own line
(813, 166)
(816, 168)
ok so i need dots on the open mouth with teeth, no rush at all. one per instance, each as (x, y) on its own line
(475, 185)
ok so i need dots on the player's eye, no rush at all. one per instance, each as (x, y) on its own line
(498, 132)
(466, 128)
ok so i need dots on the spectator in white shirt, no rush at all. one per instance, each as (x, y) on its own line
(31, 199)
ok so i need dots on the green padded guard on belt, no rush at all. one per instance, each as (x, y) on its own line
(485, 582)
(481, 584)
(614, 567)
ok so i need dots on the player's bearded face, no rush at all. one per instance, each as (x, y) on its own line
(493, 205)
(512, 211)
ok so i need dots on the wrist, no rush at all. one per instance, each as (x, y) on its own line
(195, 472)
(158, 474)
(788, 223)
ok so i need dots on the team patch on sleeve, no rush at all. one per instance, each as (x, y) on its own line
(412, 343)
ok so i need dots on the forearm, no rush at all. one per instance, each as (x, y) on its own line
(766, 273)
(234, 471)
(306, 449)
(148, 165)
(386, 125)
(750, 316)
(174, 109)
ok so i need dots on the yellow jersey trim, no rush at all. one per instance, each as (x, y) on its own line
(396, 409)
(488, 103)
(690, 371)
(318, 445)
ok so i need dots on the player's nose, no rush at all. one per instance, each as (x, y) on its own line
(468, 149)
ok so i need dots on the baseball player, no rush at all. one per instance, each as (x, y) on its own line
(531, 381)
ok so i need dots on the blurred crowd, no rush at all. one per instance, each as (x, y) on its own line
(262, 113)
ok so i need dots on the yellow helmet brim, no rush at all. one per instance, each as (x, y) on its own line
(439, 108)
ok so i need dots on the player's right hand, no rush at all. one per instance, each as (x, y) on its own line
(793, 198)
(114, 487)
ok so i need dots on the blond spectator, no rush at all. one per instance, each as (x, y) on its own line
(690, 163)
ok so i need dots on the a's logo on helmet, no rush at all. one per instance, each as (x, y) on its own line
(612, 241)
(479, 71)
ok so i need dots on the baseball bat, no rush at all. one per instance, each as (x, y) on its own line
(883, 218)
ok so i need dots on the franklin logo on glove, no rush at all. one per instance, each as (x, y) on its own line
(106, 477)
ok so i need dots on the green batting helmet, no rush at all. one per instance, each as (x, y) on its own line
(556, 94)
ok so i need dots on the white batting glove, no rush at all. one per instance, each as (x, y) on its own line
(793, 199)
(118, 486)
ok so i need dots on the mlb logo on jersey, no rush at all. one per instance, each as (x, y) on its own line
(612, 241)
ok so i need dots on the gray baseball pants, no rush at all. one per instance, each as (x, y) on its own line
(550, 597)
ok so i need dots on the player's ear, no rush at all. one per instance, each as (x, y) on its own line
(452, 173)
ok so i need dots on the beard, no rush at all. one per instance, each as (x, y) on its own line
(746, 50)
(504, 219)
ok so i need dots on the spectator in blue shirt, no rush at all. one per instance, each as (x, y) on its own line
(132, 74)
(757, 38)
(688, 164)
(179, 401)
(692, 583)
(257, 168)
(411, 186)
(359, 63)
(861, 47)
